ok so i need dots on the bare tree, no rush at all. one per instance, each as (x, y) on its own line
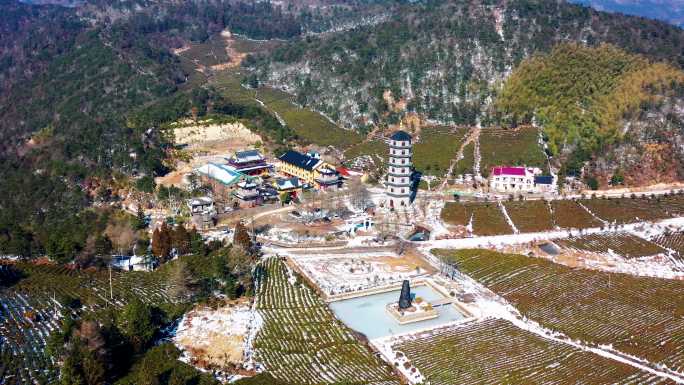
(122, 235)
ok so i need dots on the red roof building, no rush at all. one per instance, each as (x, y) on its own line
(508, 171)
(343, 171)
(507, 179)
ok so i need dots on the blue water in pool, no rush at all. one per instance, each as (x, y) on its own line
(367, 314)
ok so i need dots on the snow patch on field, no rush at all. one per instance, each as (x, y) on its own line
(659, 266)
(508, 218)
(219, 339)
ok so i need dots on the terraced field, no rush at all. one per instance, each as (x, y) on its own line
(534, 215)
(465, 165)
(437, 148)
(530, 216)
(432, 155)
(209, 53)
(673, 202)
(640, 316)
(487, 217)
(373, 148)
(229, 83)
(627, 210)
(673, 241)
(496, 352)
(513, 147)
(32, 308)
(570, 215)
(309, 125)
(301, 342)
(624, 244)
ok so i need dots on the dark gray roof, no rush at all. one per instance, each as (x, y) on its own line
(247, 153)
(543, 179)
(287, 183)
(299, 160)
(400, 135)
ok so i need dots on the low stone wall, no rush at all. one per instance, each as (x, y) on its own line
(375, 290)
(404, 319)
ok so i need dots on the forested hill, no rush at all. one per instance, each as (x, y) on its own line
(601, 104)
(447, 58)
(77, 72)
(84, 89)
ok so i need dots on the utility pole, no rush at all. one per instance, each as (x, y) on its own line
(111, 290)
(253, 232)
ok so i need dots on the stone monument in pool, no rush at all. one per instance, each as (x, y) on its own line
(408, 310)
(405, 295)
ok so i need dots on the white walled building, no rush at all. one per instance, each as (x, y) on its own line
(400, 169)
(520, 179)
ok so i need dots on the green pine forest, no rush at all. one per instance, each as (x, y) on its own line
(582, 96)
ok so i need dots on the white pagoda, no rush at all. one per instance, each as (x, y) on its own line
(400, 170)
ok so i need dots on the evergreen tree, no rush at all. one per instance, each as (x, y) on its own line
(137, 325)
(103, 245)
(180, 240)
(181, 282)
(140, 220)
(197, 245)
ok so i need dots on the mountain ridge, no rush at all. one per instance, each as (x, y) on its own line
(671, 11)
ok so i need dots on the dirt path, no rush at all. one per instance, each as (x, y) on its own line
(476, 155)
(235, 56)
(472, 136)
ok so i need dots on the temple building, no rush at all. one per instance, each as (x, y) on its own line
(248, 194)
(309, 170)
(249, 162)
(221, 177)
(327, 178)
(400, 170)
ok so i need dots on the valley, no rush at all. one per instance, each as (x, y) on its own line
(340, 192)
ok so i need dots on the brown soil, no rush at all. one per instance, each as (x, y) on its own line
(409, 258)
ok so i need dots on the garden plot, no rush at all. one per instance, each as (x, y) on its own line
(496, 351)
(336, 274)
(530, 216)
(311, 126)
(464, 166)
(489, 220)
(31, 308)
(641, 317)
(216, 339)
(513, 147)
(629, 210)
(301, 341)
(482, 219)
(436, 149)
(570, 215)
(624, 244)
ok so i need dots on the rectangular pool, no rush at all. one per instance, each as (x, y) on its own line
(368, 315)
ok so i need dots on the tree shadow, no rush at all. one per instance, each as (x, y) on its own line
(10, 275)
